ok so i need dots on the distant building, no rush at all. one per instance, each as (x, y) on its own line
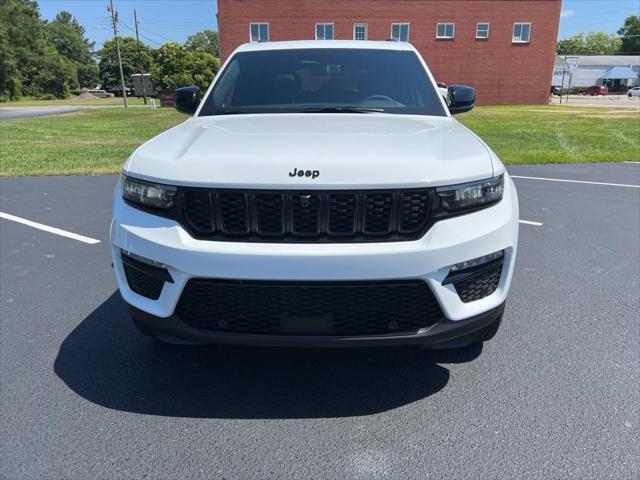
(617, 72)
(503, 48)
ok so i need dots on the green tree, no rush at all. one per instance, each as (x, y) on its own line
(108, 61)
(594, 43)
(177, 66)
(68, 36)
(204, 41)
(29, 63)
(630, 33)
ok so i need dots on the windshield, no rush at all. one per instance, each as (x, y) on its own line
(324, 80)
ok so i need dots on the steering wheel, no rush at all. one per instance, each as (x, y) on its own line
(378, 97)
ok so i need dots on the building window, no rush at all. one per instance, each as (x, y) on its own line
(446, 30)
(360, 31)
(259, 32)
(521, 32)
(324, 31)
(400, 32)
(482, 30)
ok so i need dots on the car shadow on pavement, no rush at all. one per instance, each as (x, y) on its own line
(108, 362)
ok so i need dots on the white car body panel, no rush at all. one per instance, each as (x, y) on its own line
(373, 150)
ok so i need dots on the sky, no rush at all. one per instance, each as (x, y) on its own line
(164, 20)
(159, 20)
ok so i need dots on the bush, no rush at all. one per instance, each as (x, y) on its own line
(47, 96)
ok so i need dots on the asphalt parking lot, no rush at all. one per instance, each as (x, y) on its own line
(555, 395)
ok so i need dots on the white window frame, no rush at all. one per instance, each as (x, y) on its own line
(251, 39)
(324, 26)
(478, 37)
(366, 31)
(515, 39)
(446, 37)
(400, 25)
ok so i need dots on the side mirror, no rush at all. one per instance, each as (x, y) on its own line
(462, 97)
(187, 99)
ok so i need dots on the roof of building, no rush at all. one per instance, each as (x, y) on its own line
(302, 44)
(606, 60)
(619, 73)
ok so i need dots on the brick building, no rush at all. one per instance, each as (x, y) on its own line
(504, 48)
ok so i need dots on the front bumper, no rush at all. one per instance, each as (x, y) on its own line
(444, 334)
(429, 258)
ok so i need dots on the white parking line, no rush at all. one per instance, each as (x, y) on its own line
(529, 222)
(46, 228)
(577, 181)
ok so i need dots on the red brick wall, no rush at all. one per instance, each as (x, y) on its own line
(502, 72)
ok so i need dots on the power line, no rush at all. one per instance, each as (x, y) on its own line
(128, 27)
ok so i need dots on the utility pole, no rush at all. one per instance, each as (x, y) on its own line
(114, 20)
(144, 89)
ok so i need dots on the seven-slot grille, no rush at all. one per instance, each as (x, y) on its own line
(262, 215)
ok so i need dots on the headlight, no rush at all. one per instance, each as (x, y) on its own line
(147, 194)
(467, 196)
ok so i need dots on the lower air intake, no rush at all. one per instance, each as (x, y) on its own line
(308, 308)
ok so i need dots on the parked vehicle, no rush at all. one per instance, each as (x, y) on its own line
(320, 194)
(633, 92)
(116, 90)
(100, 93)
(596, 90)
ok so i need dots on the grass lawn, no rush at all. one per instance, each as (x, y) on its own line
(557, 134)
(98, 141)
(91, 141)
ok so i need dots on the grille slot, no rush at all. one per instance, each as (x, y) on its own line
(305, 214)
(414, 211)
(378, 213)
(309, 308)
(269, 213)
(234, 213)
(311, 216)
(199, 210)
(342, 213)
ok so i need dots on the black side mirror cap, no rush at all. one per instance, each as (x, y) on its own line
(187, 99)
(463, 98)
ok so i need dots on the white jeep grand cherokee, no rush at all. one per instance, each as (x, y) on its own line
(320, 195)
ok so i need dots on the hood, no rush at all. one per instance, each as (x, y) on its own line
(345, 150)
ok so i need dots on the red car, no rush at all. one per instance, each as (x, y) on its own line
(596, 90)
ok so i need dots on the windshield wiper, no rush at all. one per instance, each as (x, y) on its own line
(342, 110)
(230, 112)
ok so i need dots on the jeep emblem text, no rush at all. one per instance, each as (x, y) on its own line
(304, 173)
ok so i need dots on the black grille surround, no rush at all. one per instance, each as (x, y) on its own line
(480, 286)
(304, 216)
(344, 308)
(144, 279)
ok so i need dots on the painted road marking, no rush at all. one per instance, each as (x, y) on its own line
(47, 228)
(577, 181)
(529, 222)
(630, 162)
